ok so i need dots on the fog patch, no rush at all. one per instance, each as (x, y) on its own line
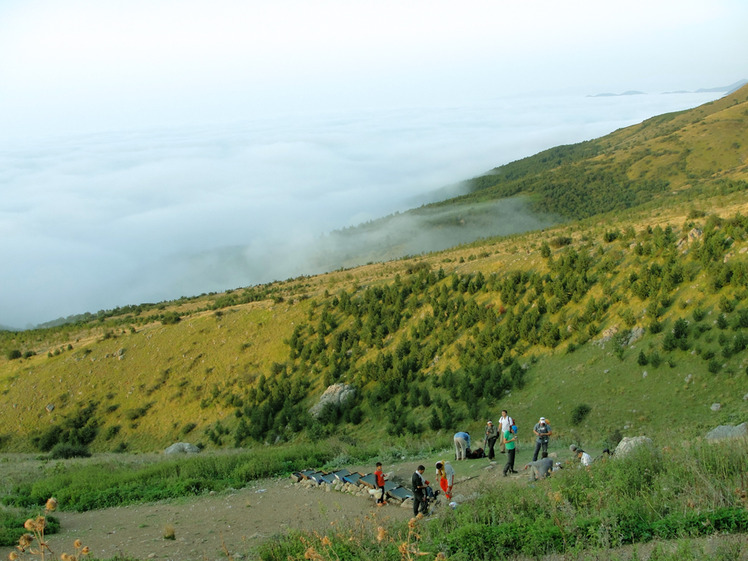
(104, 220)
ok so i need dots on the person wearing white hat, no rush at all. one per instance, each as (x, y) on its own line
(542, 431)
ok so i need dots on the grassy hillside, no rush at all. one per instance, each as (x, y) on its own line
(627, 321)
(671, 157)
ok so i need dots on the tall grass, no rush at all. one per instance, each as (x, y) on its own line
(91, 486)
(679, 492)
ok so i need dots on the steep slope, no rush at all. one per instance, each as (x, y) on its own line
(694, 150)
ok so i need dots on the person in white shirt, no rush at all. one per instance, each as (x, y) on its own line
(584, 458)
(505, 424)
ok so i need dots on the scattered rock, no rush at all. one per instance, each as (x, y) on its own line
(630, 443)
(716, 406)
(182, 448)
(636, 334)
(728, 431)
(337, 394)
(607, 335)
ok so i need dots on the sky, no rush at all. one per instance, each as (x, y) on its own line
(164, 148)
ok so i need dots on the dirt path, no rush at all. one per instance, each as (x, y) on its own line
(238, 519)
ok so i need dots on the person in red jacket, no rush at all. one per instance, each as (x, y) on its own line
(380, 483)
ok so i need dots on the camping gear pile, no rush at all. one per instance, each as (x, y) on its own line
(353, 482)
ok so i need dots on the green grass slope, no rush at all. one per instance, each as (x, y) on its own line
(702, 150)
(623, 323)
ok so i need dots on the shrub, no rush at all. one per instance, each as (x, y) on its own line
(14, 354)
(611, 236)
(579, 413)
(188, 428)
(65, 451)
(170, 318)
(111, 432)
(11, 526)
(560, 241)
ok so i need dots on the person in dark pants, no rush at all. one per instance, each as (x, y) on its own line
(542, 431)
(510, 441)
(380, 484)
(419, 491)
(492, 433)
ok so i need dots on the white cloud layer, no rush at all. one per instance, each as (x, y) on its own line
(97, 221)
(142, 139)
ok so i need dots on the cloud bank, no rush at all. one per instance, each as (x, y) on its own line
(96, 221)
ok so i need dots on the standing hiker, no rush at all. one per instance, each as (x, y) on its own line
(379, 474)
(510, 439)
(542, 431)
(419, 491)
(492, 433)
(505, 424)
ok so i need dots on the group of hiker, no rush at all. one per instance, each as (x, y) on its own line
(504, 432)
(422, 491)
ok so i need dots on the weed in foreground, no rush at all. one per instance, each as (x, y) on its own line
(35, 543)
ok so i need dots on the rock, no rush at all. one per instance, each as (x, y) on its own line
(50, 407)
(716, 406)
(337, 394)
(182, 448)
(627, 444)
(635, 334)
(728, 431)
(607, 335)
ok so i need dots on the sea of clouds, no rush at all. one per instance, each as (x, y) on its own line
(97, 221)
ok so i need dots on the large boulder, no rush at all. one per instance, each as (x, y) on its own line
(628, 444)
(337, 394)
(728, 431)
(182, 448)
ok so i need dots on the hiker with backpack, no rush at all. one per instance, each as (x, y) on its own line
(505, 424)
(542, 431)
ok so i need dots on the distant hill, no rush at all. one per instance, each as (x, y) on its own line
(629, 317)
(630, 92)
(728, 89)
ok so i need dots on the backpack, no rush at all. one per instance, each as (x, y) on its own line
(513, 425)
